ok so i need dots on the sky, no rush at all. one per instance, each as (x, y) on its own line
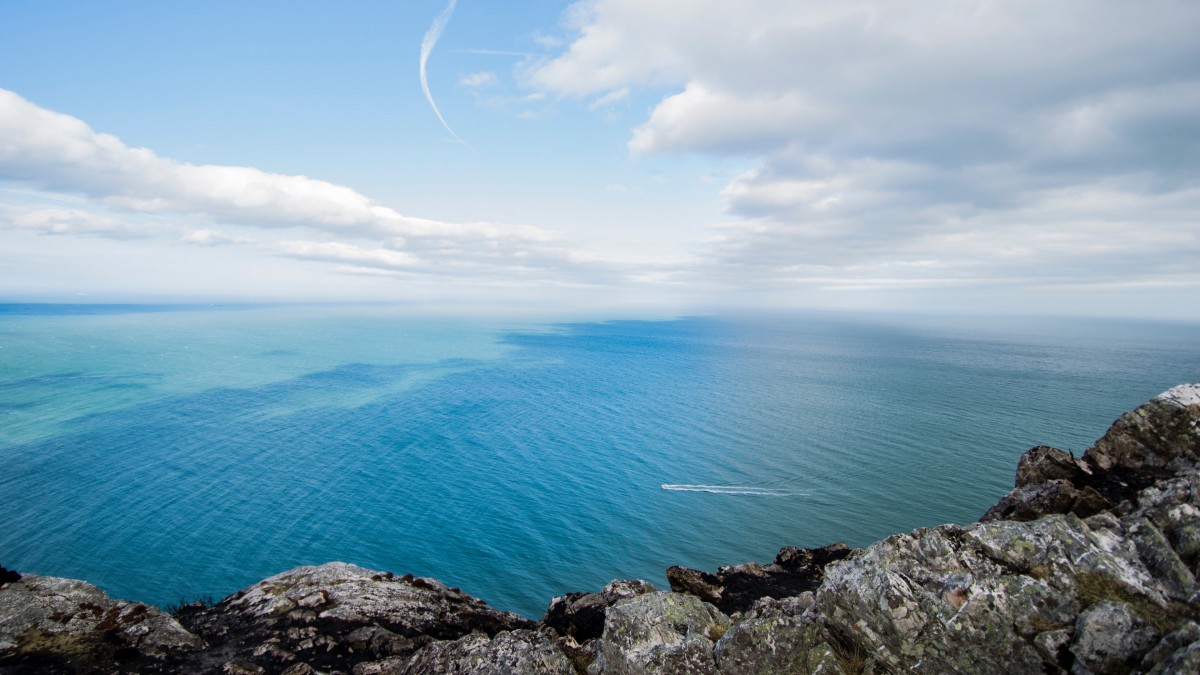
(618, 155)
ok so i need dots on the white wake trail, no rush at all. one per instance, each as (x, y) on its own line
(427, 44)
(727, 490)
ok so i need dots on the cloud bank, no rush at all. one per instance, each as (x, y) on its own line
(923, 143)
(56, 153)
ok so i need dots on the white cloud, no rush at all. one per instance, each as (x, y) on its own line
(56, 153)
(358, 270)
(547, 41)
(63, 154)
(699, 118)
(611, 98)
(917, 143)
(75, 222)
(207, 237)
(479, 80)
(339, 252)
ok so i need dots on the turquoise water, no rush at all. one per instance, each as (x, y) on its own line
(164, 454)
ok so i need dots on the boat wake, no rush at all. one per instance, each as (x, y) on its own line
(727, 490)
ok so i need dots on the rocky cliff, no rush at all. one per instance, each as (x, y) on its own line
(1088, 566)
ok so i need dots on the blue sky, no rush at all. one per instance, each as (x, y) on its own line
(618, 155)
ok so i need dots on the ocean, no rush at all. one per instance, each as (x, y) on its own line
(166, 453)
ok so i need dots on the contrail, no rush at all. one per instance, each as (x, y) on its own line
(491, 52)
(431, 38)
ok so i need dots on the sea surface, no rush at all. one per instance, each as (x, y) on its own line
(165, 453)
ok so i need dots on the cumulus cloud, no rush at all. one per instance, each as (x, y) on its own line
(339, 252)
(61, 153)
(75, 222)
(932, 141)
(207, 237)
(57, 153)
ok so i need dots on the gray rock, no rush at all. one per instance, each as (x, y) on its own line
(1177, 652)
(934, 599)
(1002, 596)
(581, 615)
(1044, 463)
(1110, 636)
(773, 607)
(1173, 506)
(1053, 646)
(737, 588)
(1161, 560)
(336, 616)
(660, 633)
(389, 666)
(1155, 435)
(520, 652)
(1053, 496)
(47, 622)
(779, 645)
(348, 593)
(1155, 442)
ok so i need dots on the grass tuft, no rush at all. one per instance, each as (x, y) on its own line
(197, 602)
(852, 657)
(1095, 588)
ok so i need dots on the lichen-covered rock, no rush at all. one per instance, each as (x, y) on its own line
(1160, 559)
(737, 588)
(769, 607)
(348, 593)
(1059, 495)
(581, 615)
(933, 599)
(520, 652)
(48, 624)
(1178, 652)
(1162, 434)
(1109, 636)
(1157, 441)
(1005, 596)
(660, 633)
(778, 645)
(337, 616)
(699, 583)
(1173, 507)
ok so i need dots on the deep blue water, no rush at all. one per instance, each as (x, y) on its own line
(172, 453)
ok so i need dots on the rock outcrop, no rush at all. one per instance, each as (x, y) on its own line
(337, 617)
(49, 624)
(519, 651)
(581, 615)
(1154, 442)
(737, 588)
(1089, 565)
(668, 633)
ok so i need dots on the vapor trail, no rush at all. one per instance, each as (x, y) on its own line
(431, 38)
